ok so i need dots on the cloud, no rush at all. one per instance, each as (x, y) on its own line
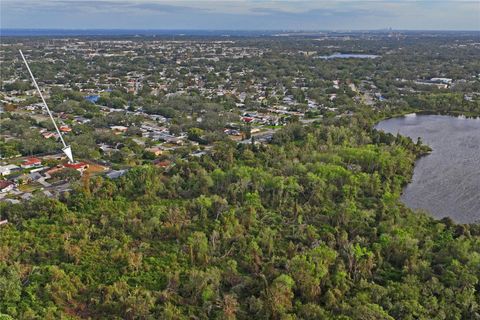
(241, 14)
(94, 6)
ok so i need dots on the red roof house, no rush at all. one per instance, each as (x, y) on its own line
(80, 166)
(31, 162)
(53, 170)
(6, 186)
(162, 164)
(48, 135)
(65, 129)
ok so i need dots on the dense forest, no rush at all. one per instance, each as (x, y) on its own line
(309, 226)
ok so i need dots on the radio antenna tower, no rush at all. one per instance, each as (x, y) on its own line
(66, 149)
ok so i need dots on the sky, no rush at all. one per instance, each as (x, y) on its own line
(241, 15)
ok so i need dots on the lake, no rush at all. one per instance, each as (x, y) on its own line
(349, 56)
(446, 183)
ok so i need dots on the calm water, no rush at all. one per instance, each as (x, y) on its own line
(349, 56)
(447, 181)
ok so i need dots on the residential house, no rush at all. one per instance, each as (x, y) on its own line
(81, 120)
(79, 166)
(155, 150)
(12, 201)
(162, 163)
(8, 169)
(31, 163)
(232, 132)
(34, 176)
(26, 196)
(115, 174)
(442, 80)
(65, 129)
(106, 148)
(6, 186)
(48, 135)
(119, 129)
(198, 153)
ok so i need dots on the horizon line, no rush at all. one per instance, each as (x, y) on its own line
(245, 30)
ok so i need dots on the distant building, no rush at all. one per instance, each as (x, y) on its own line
(232, 132)
(82, 120)
(442, 80)
(198, 154)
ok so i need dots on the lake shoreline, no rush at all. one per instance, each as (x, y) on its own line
(438, 184)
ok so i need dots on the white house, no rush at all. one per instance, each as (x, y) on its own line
(6, 170)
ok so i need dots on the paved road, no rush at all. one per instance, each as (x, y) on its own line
(59, 188)
(43, 182)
